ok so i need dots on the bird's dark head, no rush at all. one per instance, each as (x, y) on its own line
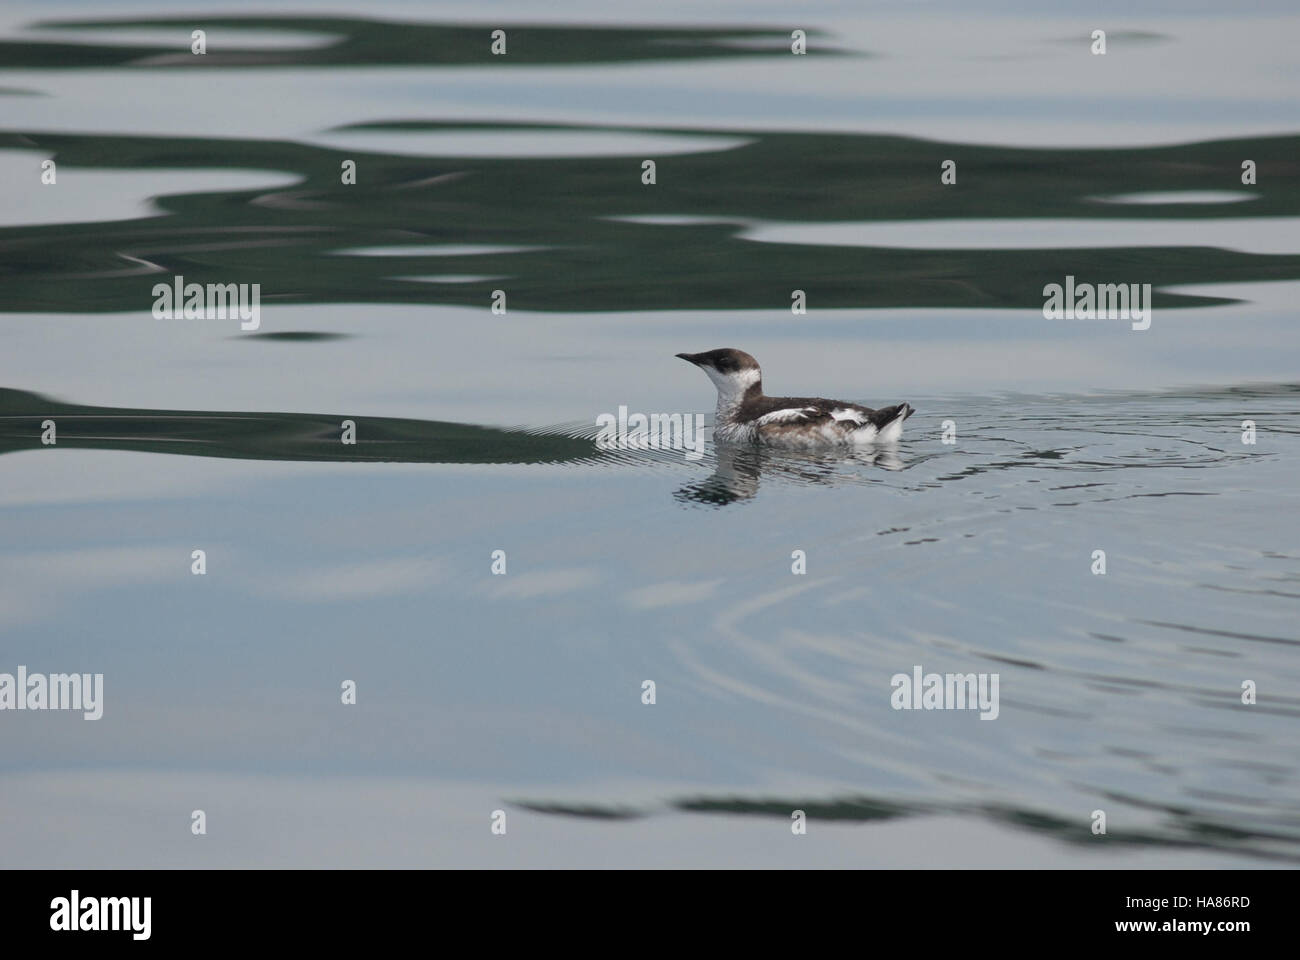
(725, 361)
(733, 372)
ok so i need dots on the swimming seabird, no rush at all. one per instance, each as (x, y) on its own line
(744, 414)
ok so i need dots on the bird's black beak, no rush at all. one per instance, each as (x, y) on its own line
(690, 358)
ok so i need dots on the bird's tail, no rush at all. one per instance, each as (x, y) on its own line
(887, 415)
(889, 421)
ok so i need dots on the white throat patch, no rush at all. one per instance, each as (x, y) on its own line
(732, 386)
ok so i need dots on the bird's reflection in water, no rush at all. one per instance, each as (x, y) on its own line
(739, 469)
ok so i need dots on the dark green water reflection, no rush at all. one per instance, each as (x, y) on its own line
(291, 240)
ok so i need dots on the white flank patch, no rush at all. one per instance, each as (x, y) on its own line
(866, 434)
(782, 416)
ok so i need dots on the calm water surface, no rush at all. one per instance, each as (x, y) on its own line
(522, 692)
